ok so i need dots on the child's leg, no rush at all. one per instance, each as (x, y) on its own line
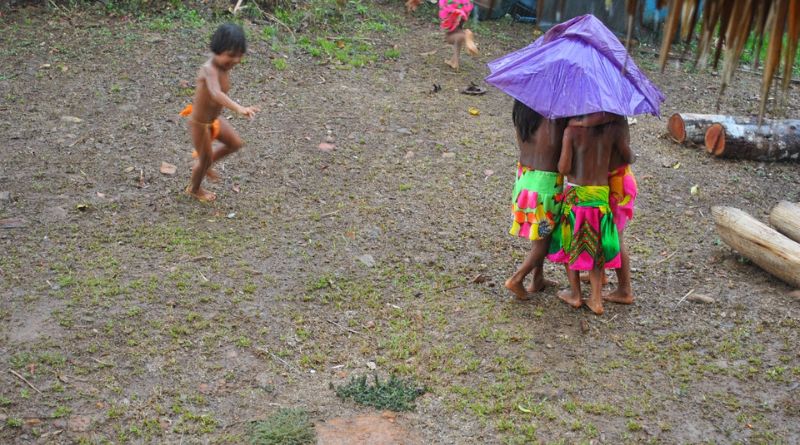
(201, 137)
(624, 293)
(595, 301)
(572, 296)
(455, 38)
(229, 138)
(534, 261)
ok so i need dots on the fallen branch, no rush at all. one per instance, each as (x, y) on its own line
(24, 380)
(344, 327)
(684, 297)
(275, 357)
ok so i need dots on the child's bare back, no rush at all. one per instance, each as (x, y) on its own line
(587, 151)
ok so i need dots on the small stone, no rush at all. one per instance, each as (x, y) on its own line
(448, 155)
(403, 131)
(409, 154)
(203, 388)
(330, 139)
(167, 168)
(326, 147)
(372, 365)
(72, 119)
(367, 260)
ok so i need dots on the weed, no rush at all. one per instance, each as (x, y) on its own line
(394, 394)
(288, 426)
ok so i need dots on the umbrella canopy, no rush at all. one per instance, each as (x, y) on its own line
(576, 68)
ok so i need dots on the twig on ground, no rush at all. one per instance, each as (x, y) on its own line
(684, 297)
(24, 380)
(278, 21)
(275, 357)
(610, 320)
(665, 258)
(344, 327)
(102, 362)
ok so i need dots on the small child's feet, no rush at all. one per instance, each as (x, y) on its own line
(469, 43)
(452, 63)
(517, 289)
(595, 306)
(201, 194)
(537, 287)
(620, 297)
(567, 296)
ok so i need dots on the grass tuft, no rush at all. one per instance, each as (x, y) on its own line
(288, 426)
(394, 394)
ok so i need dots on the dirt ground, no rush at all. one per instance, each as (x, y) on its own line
(138, 315)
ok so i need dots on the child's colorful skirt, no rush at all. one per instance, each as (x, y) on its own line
(622, 194)
(536, 203)
(452, 13)
(587, 236)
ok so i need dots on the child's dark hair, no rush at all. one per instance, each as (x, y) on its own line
(525, 120)
(229, 37)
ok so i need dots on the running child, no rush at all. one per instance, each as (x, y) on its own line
(453, 14)
(228, 45)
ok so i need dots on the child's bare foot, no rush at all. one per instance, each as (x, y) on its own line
(595, 304)
(541, 285)
(452, 63)
(517, 289)
(619, 296)
(569, 297)
(201, 194)
(469, 43)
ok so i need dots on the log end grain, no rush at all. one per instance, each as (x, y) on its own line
(715, 139)
(677, 128)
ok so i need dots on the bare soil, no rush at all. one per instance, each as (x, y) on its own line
(139, 315)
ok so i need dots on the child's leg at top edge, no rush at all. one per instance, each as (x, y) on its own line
(572, 296)
(534, 261)
(595, 301)
(624, 293)
(201, 138)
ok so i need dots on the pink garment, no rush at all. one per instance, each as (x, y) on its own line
(453, 12)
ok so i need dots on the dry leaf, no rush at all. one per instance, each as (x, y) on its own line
(474, 111)
(694, 190)
(167, 168)
(478, 279)
(700, 298)
(488, 173)
(235, 188)
(326, 147)
(73, 119)
(129, 169)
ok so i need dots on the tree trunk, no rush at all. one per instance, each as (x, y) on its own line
(776, 140)
(767, 248)
(691, 127)
(786, 218)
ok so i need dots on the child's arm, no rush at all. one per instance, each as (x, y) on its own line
(624, 145)
(565, 161)
(594, 119)
(214, 89)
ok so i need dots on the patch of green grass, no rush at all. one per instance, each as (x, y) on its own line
(13, 422)
(280, 64)
(288, 426)
(394, 394)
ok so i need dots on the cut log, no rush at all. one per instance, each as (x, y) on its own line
(767, 248)
(777, 140)
(692, 127)
(786, 218)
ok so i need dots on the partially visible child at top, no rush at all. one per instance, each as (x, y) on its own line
(621, 198)
(588, 238)
(453, 14)
(536, 201)
(205, 122)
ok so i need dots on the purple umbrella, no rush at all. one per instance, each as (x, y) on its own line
(576, 68)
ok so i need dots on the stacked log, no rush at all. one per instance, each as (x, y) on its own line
(738, 137)
(764, 246)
